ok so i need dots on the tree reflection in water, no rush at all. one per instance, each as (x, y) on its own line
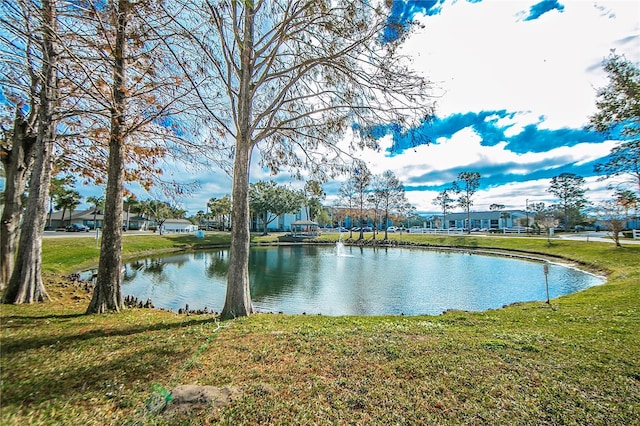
(217, 264)
(364, 281)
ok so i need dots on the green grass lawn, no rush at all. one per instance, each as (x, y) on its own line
(576, 361)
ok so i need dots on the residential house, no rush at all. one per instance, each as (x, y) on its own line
(495, 219)
(178, 226)
(282, 223)
(137, 223)
(90, 217)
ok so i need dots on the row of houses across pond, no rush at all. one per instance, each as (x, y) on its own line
(289, 222)
(93, 219)
(481, 220)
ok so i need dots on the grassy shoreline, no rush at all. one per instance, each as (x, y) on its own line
(574, 362)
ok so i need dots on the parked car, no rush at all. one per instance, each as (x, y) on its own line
(367, 229)
(392, 229)
(76, 227)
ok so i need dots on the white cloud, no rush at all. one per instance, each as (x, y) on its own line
(484, 57)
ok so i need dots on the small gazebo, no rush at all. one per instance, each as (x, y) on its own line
(304, 228)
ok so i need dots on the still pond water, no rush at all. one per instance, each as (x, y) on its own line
(351, 280)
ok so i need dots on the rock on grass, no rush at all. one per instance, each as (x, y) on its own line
(185, 399)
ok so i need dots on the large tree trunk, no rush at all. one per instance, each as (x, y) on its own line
(238, 297)
(17, 164)
(264, 223)
(25, 285)
(386, 225)
(107, 294)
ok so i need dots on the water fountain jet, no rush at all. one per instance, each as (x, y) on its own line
(340, 247)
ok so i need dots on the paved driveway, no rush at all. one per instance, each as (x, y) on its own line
(595, 236)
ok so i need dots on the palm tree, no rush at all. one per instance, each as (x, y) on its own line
(57, 188)
(178, 213)
(200, 216)
(98, 204)
(144, 210)
(132, 203)
(67, 199)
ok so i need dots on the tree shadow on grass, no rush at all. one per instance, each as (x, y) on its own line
(17, 345)
(107, 377)
(12, 322)
(41, 317)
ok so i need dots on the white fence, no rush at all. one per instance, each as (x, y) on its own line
(450, 231)
(516, 230)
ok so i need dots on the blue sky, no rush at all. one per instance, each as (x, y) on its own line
(515, 83)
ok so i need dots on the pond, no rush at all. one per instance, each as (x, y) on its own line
(339, 280)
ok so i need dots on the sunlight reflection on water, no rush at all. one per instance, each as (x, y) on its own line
(346, 280)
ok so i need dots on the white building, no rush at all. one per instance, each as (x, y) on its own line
(281, 223)
(178, 226)
(482, 220)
